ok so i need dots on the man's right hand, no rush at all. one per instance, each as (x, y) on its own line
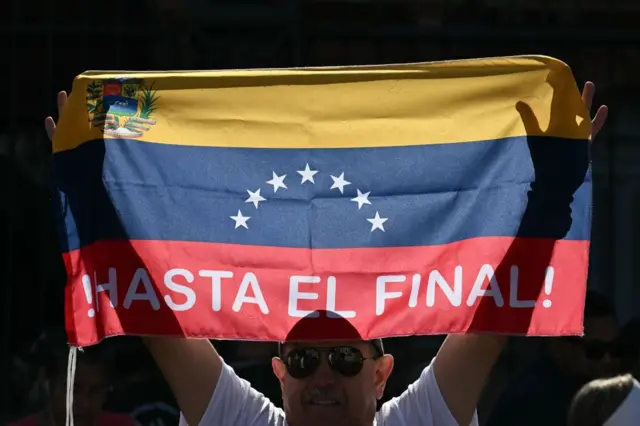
(191, 367)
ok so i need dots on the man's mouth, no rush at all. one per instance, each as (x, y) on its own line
(324, 402)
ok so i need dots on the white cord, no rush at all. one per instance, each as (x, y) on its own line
(71, 375)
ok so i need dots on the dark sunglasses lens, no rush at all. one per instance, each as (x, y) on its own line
(302, 363)
(346, 361)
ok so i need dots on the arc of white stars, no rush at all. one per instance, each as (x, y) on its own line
(307, 174)
(339, 182)
(255, 197)
(362, 199)
(277, 182)
(377, 222)
(240, 220)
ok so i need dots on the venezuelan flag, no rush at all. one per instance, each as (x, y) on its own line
(197, 203)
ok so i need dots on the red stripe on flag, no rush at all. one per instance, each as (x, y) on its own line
(246, 292)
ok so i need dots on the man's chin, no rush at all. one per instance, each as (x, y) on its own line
(316, 414)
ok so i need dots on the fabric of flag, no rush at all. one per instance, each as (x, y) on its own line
(409, 199)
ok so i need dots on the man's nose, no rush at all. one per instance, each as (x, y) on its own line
(324, 374)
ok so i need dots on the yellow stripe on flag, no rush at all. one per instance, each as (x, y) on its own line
(336, 107)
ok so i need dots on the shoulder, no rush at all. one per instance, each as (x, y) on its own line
(236, 403)
(422, 403)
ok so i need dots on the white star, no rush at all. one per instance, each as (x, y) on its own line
(362, 199)
(277, 182)
(240, 220)
(255, 198)
(339, 182)
(307, 174)
(376, 222)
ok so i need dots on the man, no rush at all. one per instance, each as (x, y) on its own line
(91, 386)
(569, 363)
(345, 378)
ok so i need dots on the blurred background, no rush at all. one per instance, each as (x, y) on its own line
(46, 43)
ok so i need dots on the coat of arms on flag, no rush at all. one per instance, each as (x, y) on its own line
(408, 199)
(121, 107)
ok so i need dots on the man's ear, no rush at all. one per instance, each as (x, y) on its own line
(384, 367)
(279, 370)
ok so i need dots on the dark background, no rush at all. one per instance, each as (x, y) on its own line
(46, 43)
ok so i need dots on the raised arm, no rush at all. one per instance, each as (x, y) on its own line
(464, 362)
(462, 367)
(191, 367)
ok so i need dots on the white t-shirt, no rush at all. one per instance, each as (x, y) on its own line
(236, 403)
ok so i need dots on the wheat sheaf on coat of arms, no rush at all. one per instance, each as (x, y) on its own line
(121, 108)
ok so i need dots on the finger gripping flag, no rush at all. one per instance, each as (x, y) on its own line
(409, 199)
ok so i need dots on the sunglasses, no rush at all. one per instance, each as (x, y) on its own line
(598, 350)
(345, 360)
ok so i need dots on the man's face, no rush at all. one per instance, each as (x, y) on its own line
(600, 353)
(90, 389)
(331, 383)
